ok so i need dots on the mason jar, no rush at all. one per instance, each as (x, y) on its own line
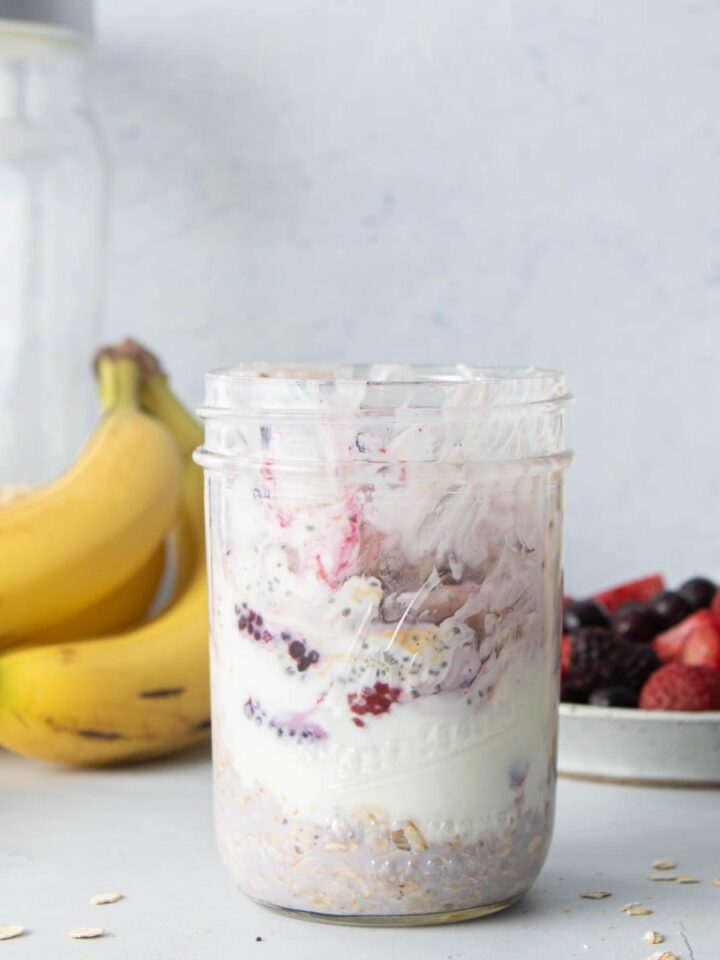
(52, 216)
(385, 576)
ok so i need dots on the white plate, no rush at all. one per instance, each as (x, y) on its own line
(639, 746)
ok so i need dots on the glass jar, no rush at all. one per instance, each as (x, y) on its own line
(52, 199)
(385, 563)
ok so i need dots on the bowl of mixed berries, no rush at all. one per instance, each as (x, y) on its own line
(640, 688)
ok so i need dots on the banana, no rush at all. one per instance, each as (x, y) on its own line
(158, 399)
(133, 695)
(67, 545)
(124, 607)
(128, 697)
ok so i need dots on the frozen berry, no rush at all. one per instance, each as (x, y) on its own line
(678, 686)
(614, 697)
(702, 643)
(636, 622)
(670, 607)
(583, 613)
(597, 659)
(699, 592)
(638, 591)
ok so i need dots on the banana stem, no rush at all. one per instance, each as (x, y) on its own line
(119, 383)
(157, 397)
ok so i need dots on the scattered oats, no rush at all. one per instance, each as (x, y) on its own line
(663, 955)
(662, 876)
(87, 933)
(664, 864)
(686, 878)
(652, 936)
(566, 910)
(626, 906)
(11, 931)
(716, 881)
(638, 912)
(595, 895)
(100, 898)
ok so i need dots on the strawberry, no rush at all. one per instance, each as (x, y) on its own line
(634, 591)
(670, 644)
(565, 655)
(703, 644)
(715, 609)
(679, 686)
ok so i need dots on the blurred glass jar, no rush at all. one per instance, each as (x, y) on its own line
(52, 205)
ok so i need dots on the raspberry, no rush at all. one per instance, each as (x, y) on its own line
(375, 700)
(595, 658)
(678, 686)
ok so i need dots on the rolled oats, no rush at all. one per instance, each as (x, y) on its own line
(102, 898)
(652, 936)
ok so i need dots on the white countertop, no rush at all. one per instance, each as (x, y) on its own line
(147, 832)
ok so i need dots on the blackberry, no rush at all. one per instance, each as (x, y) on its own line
(591, 654)
(699, 592)
(583, 613)
(597, 658)
(639, 663)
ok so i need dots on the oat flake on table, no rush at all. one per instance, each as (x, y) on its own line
(11, 931)
(652, 936)
(663, 955)
(87, 933)
(686, 878)
(595, 895)
(101, 898)
(638, 912)
(664, 864)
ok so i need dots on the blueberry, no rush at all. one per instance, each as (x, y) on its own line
(613, 697)
(296, 649)
(636, 622)
(670, 607)
(699, 592)
(583, 613)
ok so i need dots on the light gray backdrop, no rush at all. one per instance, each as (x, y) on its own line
(513, 182)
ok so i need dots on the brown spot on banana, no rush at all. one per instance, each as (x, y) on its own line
(201, 727)
(161, 692)
(99, 734)
(87, 732)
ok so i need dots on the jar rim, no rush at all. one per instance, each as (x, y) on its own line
(314, 386)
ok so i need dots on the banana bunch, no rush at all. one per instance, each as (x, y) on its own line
(90, 671)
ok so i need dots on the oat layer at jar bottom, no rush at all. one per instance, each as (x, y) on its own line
(372, 869)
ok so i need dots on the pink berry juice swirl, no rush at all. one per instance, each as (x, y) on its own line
(385, 550)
